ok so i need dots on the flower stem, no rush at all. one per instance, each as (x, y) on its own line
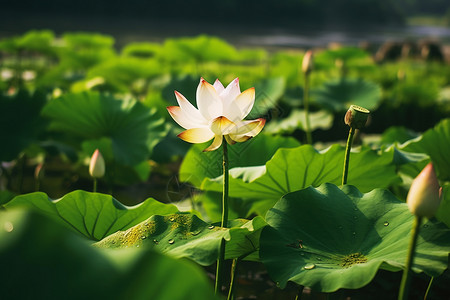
(306, 104)
(224, 223)
(94, 189)
(233, 278)
(347, 155)
(219, 270)
(406, 278)
(428, 289)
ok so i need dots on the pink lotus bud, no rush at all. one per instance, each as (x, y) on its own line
(97, 165)
(308, 63)
(423, 197)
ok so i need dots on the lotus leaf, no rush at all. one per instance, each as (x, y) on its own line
(327, 238)
(93, 215)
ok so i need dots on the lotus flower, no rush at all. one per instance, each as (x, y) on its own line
(220, 114)
(424, 195)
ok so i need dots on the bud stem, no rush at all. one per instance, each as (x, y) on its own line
(94, 189)
(348, 148)
(406, 278)
(306, 104)
(224, 223)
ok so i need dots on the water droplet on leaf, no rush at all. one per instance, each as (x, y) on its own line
(171, 241)
(309, 267)
(386, 223)
(211, 227)
(143, 237)
(156, 242)
(172, 219)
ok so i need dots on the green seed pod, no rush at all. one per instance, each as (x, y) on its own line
(356, 116)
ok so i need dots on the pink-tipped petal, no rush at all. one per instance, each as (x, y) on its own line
(196, 135)
(218, 86)
(244, 102)
(215, 144)
(181, 118)
(208, 100)
(189, 110)
(222, 126)
(231, 92)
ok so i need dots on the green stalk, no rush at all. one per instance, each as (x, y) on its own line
(348, 148)
(224, 223)
(428, 289)
(94, 189)
(306, 104)
(233, 278)
(406, 278)
(225, 185)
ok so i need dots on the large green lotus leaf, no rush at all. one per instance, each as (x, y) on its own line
(142, 49)
(351, 56)
(327, 238)
(297, 168)
(120, 73)
(185, 235)
(133, 128)
(33, 40)
(200, 49)
(81, 50)
(443, 213)
(93, 215)
(435, 142)
(46, 261)
(401, 158)
(338, 95)
(296, 120)
(20, 121)
(267, 94)
(198, 165)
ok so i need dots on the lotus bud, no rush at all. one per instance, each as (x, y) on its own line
(38, 171)
(308, 63)
(356, 116)
(97, 165)
(423, 197)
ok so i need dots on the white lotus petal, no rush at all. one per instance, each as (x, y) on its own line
(248, 129)
(239, 138)
(222, 126)
(244, 102)
(189, 110)
(231, 92)
(208, 101)
(196, 135)
(182, 119)
(215, 144)
(218, 86)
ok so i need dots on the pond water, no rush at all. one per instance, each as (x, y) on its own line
(127, 30)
